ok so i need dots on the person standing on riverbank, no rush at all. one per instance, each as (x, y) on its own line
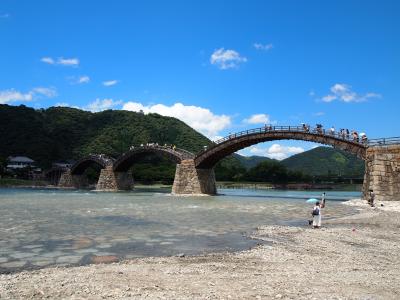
(371, 198)
(323, 200)
(316, 213)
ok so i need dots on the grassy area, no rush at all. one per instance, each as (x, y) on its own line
(9, 182)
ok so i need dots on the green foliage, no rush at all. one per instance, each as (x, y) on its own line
(323, 161)
(60, 133)
(251, 161)
(274, 172)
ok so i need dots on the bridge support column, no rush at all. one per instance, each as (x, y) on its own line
(72, 181)
(382, 172)
(189, 180)
(66, 179)
(114, 181)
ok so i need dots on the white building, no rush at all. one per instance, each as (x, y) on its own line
(19, 162)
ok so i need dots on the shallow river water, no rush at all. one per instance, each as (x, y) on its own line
(39, 228)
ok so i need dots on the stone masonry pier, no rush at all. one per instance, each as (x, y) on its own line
(382, 172)
(191, 180)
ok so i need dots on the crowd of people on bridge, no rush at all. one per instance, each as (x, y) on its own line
(343, 133)
(173, 147)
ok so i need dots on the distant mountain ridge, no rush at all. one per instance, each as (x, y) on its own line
(249, 162)
(325, 161)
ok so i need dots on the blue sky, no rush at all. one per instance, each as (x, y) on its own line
(220, 66)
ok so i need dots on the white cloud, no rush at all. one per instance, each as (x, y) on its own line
(68, 61)
(110, 82)
(48, 60)
(74, 62)
(258, 119)
(78, 79)
(12, 95)
(102, 104)
(226, 59)
(329, 98)
(201, 119)
(276, 151)
(83, 79)
(48, 92)
(264, 47)
(343, 92)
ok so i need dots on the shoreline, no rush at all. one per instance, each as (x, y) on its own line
(353, 257)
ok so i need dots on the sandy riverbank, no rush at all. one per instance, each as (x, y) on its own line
(356, 257)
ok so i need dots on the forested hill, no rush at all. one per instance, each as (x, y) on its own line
(325, 161)
(47, 135)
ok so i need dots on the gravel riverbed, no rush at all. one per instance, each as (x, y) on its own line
(355, 257)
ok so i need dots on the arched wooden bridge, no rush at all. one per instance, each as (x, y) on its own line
(126, 160)
(240, 140)
(195, 175)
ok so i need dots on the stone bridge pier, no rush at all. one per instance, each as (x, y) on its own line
(109, 180)
(192, 180)
(72, 180)
(382, 172)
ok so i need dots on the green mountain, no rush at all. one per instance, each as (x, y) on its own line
(325, 161)
(60, 133)
(249, 162)
(47, 135)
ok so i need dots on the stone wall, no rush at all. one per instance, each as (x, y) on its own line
(382, 172)
(75, 181)
(65, 179)
(189, 180)
(114, 181)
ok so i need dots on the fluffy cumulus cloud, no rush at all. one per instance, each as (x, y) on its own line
(201, 119)
(343, 92)
(110, 82)
(102, 104)
(12, 95)
(258, 119)
(276, 151)
(72, 62)
(264, 47)
(226, 59)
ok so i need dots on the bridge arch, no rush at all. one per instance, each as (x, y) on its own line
(84, 163)
(234, 142)
(126, 160)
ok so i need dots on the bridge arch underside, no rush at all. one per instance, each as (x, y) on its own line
(81, 166)
(210, 158)
(53, 176)
(128, 159)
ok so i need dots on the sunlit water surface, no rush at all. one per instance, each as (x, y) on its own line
(39, 228)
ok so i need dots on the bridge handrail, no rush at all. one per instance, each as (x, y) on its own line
(155, 146)
(384, 141)
(308, 129)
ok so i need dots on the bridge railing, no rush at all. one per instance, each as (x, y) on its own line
(169, 147)
(350, 136)
(384, 141)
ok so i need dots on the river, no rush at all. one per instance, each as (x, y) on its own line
(41, 227)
